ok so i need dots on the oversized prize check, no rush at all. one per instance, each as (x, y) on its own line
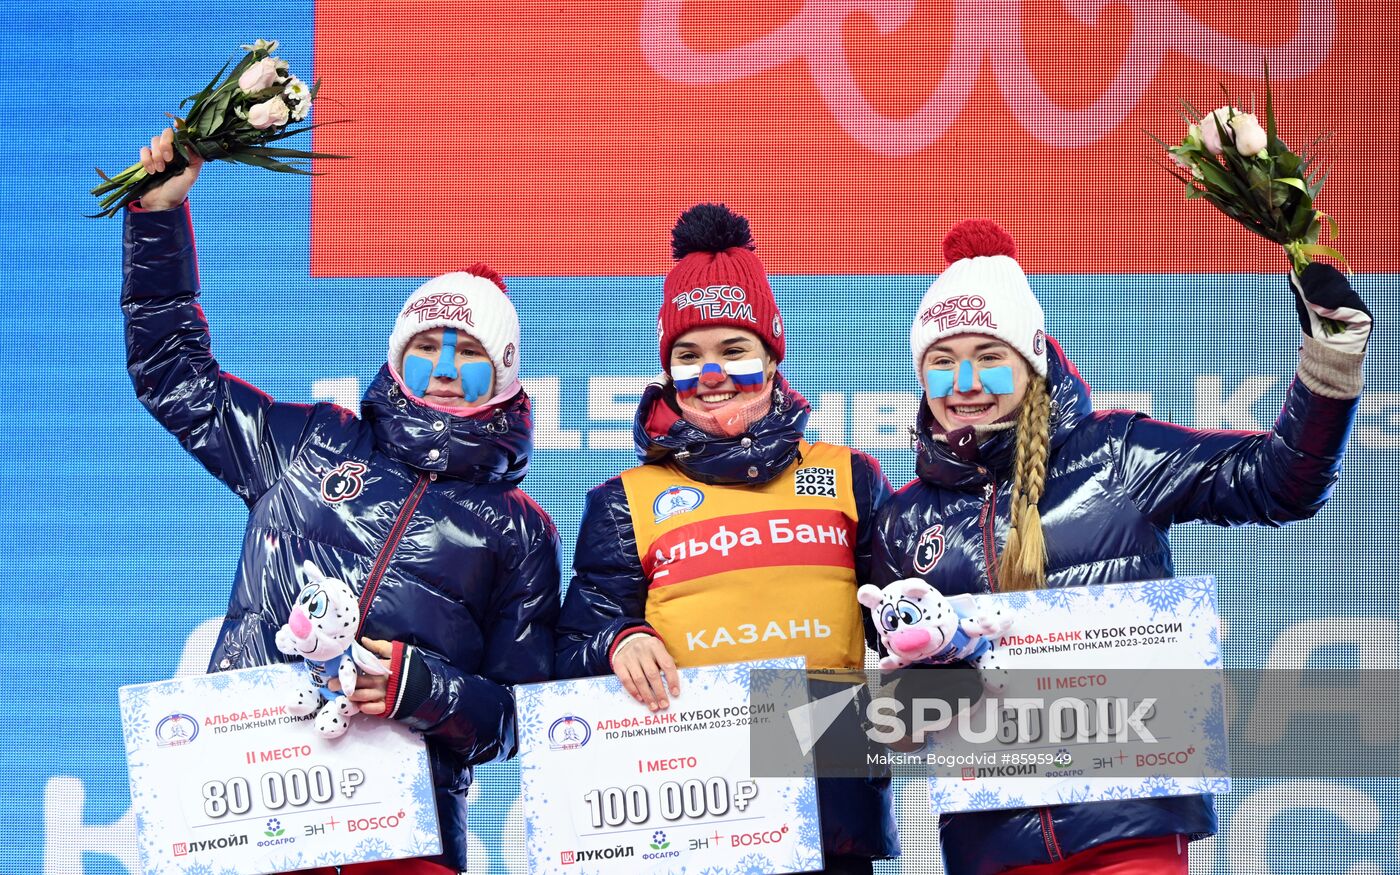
(1113, 692)
(224, 779)
(608, 786)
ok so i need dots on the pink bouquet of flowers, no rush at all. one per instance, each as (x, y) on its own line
(234, 118)
(1245, 170)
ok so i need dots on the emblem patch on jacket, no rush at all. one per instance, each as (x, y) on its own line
(344, 482)
(819, 482)
(929, 549)
(676, 499)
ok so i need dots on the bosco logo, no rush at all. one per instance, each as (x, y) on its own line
(929, 549)
(371, 824)
(447, 307)
(717, 302)
(569, 732)
(958, 310)
(344, 483)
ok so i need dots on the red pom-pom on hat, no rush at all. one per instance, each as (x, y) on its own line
(487, 272)
(972, 238)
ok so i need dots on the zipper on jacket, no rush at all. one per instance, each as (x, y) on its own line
(989, 539)
(1052, 844)
(391, 543)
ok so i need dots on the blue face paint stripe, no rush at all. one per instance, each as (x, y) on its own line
(476, 377)
(940, 383)
(417, 373)
(447, 355)
(997, 381)
(965, 376)
(476, 381)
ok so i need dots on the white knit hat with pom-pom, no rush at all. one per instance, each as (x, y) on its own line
(983, 291)
(473, 301)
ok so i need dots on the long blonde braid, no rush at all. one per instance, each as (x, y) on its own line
(1023, 558)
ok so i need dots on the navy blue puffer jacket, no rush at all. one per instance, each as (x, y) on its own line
(1115, 483)
(419, 511)
(609, 589)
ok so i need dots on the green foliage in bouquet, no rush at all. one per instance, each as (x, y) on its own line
(233, 118)
(1248, 173)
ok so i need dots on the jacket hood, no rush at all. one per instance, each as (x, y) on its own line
(937, 465)
(755, 457)
(493, 447)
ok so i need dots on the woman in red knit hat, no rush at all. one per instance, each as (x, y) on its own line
(1030, 488)
(721, 445)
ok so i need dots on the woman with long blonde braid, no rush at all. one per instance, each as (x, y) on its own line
(1012, 453)
(1023, 559)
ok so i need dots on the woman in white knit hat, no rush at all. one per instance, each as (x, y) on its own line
(1025, 487)
(415, 503)
(454, 344)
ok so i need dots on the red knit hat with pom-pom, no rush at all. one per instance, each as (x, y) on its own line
(983, 291)
(717, 280)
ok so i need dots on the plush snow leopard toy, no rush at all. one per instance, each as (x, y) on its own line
(321, 630)
(918, 624)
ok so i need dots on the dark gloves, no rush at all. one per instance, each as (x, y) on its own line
(1329, 310)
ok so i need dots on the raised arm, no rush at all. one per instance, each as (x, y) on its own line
(237, 432)
(1176, 474)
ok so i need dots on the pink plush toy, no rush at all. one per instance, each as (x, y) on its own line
(321, 630)
(918, 624)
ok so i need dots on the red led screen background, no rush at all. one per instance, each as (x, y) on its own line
(563, 139)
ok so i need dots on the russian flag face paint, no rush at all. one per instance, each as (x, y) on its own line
(687, 380)
(711, 375)
(747, 374)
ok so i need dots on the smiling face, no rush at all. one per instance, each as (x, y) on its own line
(720, 347)
(965, 357)
(448, 367)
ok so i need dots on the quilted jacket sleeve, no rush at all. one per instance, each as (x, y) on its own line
(237, 432)
(520, 639)
(608, 594)
(474, 713)
(887, 547)
(1176, 474)
(872, 491)
(470, 714)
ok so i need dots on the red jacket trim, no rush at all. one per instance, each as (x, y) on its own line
(397, 664)
(617, 639)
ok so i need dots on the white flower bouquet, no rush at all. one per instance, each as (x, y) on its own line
(1248, 173)
(233, 118)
